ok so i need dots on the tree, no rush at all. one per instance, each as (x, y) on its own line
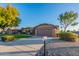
(68, 19)
(2, 17)
(9, 17)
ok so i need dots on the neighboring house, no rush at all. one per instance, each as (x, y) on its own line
(46, 30)
(26, 30)
(16, 31)
(13, 31)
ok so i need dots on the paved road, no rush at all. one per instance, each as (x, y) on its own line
(22, 47)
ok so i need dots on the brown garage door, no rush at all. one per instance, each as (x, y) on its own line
(44, 32)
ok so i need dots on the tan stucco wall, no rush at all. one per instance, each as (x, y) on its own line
(54, 30)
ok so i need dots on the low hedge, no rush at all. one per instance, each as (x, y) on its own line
(17, 35)
(7, 38)
(68, 36)
(21, 36)
(13, 37)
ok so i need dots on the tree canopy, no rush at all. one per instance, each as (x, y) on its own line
(68, 19)
(9, 16)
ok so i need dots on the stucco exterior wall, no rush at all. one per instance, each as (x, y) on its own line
(46, 30)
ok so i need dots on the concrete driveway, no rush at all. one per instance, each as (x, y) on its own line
(21, 47)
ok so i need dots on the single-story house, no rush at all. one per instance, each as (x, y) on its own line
(13, 31)
(25, 30)
(45, 29)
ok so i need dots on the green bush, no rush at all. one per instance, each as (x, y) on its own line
(17, 36)
(7, 38)
(22, 36)
(68, 36)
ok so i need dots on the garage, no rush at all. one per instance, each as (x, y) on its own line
(44, 32)
(45, 29)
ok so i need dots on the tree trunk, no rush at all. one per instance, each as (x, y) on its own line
(65, 28)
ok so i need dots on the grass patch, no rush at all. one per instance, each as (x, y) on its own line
(22, 36)
(17, 35)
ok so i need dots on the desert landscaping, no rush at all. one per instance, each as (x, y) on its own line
(21, 37)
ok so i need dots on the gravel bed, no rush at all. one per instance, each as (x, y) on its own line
(64, 51)
(60, 48)
(60, 51)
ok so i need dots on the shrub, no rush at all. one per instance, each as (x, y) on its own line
(7, 38)
(68, 36)
(22, 36)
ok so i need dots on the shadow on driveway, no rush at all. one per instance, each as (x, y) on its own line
(21, 42)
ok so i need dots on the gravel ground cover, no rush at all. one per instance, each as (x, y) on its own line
(60, 48)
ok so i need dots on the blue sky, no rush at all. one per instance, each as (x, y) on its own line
(33, 14)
